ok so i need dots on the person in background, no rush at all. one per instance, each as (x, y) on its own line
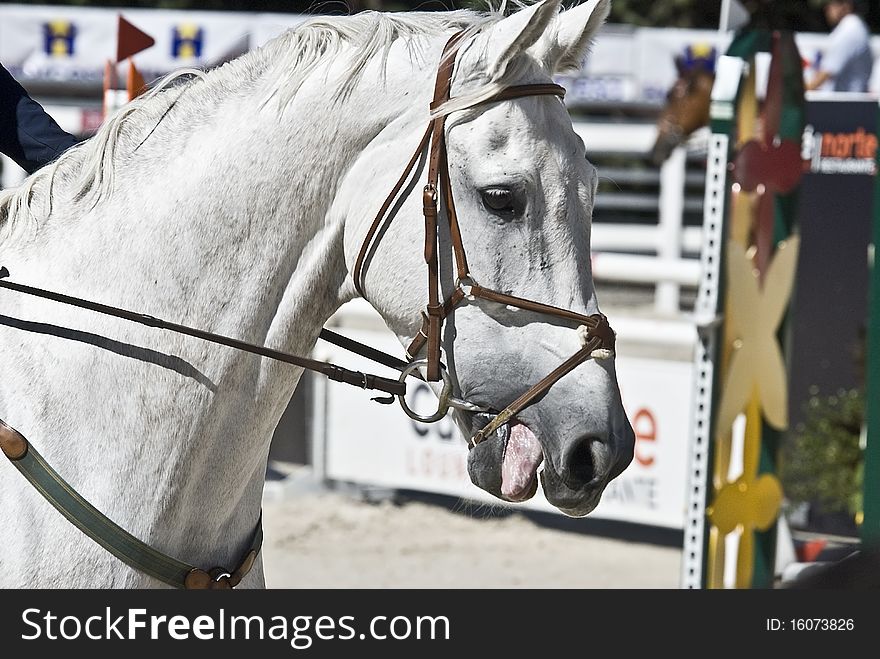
(28, 134)
(847, 61)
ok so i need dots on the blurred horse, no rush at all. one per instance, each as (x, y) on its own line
(687, 102)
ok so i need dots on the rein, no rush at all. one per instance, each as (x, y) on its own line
(337, 373)
(106, 532)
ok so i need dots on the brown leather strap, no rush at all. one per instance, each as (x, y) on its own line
(518, 91)
(12, 443)
(338, 373)
(537, 390)
(218, 578)
(357, 273)
(419, 340)
(433, 140)
(459, 295)
(461, 264)
(531, 305)
(436, 159)
(598, 338)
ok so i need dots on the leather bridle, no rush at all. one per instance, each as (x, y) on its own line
(597, 333)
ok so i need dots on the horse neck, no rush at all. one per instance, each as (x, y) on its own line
(244, 247)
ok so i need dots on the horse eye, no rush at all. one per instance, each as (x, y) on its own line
(498, 199)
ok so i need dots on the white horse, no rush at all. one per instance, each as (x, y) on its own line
(237, 202)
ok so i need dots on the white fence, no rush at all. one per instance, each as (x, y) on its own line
(618, 249)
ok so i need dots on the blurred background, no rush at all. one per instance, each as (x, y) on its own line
(359, 495)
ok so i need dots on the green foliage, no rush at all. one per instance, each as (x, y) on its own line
(670, 13)
(822, 463)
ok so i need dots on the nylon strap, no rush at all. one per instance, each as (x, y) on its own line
(108, 534)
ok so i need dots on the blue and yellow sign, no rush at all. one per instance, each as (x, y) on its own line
(186, 41)
(59, 38)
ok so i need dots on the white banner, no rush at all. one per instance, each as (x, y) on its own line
(73, 44)
(57, 43)
(378, 445)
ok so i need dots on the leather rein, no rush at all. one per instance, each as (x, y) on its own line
(597, 339)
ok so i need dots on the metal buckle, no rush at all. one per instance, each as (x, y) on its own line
(217, 578)
(466, 284)
(445, 398)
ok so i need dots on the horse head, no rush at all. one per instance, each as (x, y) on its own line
(523, 191)
(687, 102)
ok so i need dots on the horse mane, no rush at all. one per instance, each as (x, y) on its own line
(87, 169)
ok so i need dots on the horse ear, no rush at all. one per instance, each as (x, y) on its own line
(513, 35)
(575, 32)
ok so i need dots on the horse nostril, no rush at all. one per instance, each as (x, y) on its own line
(579, 468)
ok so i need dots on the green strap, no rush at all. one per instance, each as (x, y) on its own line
(103, 530)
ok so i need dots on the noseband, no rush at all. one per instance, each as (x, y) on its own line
(596, 333)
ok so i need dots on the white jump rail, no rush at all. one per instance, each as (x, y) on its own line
(608, 237)
(608, 266)
(669, 239)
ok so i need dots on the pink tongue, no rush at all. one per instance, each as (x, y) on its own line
(519, 466)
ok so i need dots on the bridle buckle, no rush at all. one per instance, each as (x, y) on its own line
(445, 399)
(466, 286)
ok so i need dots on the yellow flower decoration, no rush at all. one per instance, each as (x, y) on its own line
(749, 503)
(756, 362)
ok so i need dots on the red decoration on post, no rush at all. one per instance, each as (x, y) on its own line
(777, 167)
(769, 165)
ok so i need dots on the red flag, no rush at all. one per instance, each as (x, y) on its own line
(131, 40)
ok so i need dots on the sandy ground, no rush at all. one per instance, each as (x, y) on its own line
(317, 538)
